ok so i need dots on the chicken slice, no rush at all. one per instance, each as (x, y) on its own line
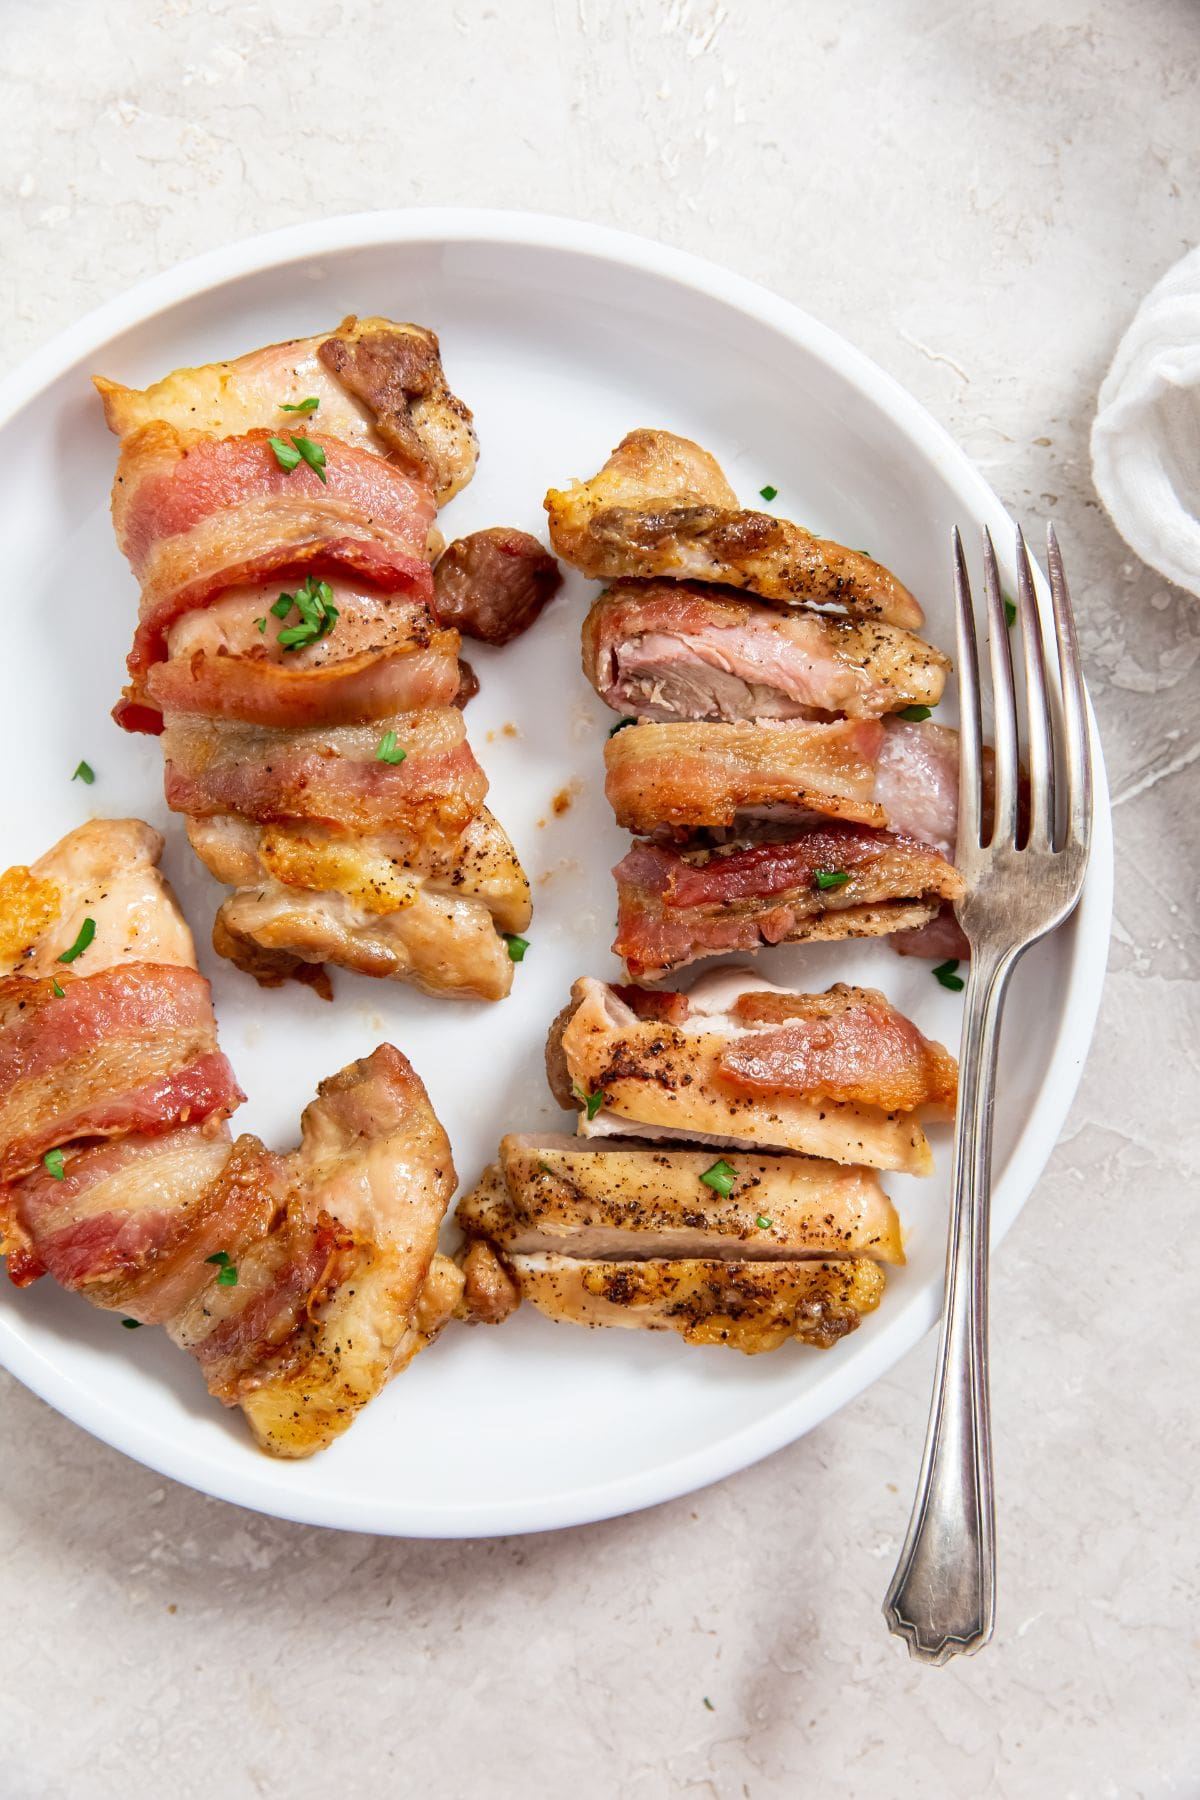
(747, 1306)
(332, 1270)
(661, 506)
(630, 1202)
(379, 384)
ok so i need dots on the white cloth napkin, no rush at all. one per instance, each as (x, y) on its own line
(1146, 438)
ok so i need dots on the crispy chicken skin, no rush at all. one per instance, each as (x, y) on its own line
(661, 507)
(630, 1202)
(380, 385)
(844, 1078)
(675, 650)
(745, 1306)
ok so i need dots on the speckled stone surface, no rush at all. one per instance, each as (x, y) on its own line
(978, 196)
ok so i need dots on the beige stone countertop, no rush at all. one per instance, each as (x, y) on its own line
(977, 196)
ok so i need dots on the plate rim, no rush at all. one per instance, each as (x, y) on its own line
(1090, 927)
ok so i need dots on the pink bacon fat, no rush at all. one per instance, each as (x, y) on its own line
(676, 906)
(385, 654)
(196, 516)
(133, 1048)
(331, 776)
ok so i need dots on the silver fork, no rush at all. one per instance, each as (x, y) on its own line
(1020, 884)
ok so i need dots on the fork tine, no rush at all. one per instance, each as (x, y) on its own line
(1038, 724)
(970, 729)
(1004, 707)
(1077, 748)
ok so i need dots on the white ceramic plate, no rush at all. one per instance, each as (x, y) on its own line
(561, 337)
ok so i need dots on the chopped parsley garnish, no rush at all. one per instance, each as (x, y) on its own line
(763, 1223)
(262, 623)
(946, 974)
(87, 932)
(60, 993)
(226, 1273)
(53, 1160)
(1010, 612)
(318, 615)
(388, 750)
(721, 1177)
(517, 946)
(313, 455)
(915, 713)
(830, 878)
(287, 457)
(593, 1102)
(132, 1324)
(709, 1704)
(768, 492)
(302, 406)
(85, 773)
(620, 726)
(220, 1257)
(227, 1277)
(545, 1169)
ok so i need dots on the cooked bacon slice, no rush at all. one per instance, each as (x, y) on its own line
(380, 385)
(677, 650)
(898, 775)
(694, 776)
(847, 1044)
(675, 906)
(115, 1214)
(379, 875)
(660, 506)
(132, 1048)
(106, 870)
(747, 1306)
(329, 775)
(386, 654)
(197, 516)
(494, 584)
(332, 1265)
(670, 1081)
(628, 1202)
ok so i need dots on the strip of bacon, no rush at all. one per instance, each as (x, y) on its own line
(129, 1049)
(678, 650)
(329, 775)
(386, 654)
(847, 1044)
(675, 906)
(197, 516)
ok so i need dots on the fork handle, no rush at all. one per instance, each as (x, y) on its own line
(942, 1598)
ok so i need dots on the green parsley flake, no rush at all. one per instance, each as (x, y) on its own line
(709, 1704)
(318, 615)
(915, 713)
(763, 1223)
(721, 1177)
(287, 457)
(87, 932)
(517, 946)
(60, 993)
(301, 406)
(227, 1277)
(620, 726)
(53, 1160)
(768, 492)
(545, 1169)
(388, 750)
(1010, 612)
(221, 1257)
(84, 773)
(945, 973)
(261, 623)
(593, 1102)
(132, 1324)
(830, 878)
(313, 455)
